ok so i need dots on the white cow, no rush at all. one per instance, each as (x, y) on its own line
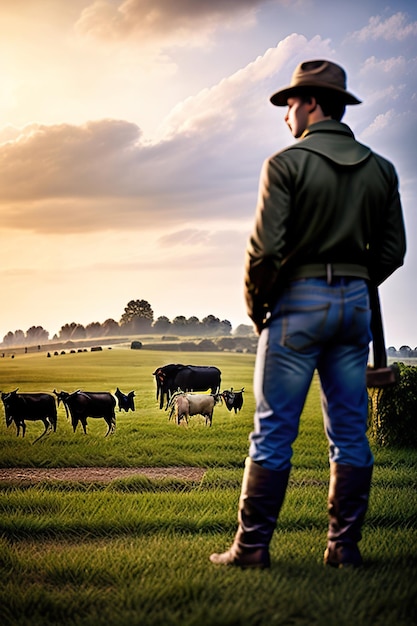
(184, 405)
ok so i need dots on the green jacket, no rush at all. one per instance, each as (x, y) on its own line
(325, 200)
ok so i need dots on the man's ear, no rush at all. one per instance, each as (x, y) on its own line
(312, 102)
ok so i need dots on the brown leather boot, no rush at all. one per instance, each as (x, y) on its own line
(261, 498)
(347, 505)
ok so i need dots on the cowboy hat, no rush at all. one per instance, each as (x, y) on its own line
(320, 75)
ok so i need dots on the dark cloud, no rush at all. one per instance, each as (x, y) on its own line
(99, 176)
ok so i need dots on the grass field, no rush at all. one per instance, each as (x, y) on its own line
(135, 551)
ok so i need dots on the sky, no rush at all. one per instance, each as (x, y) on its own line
(132, 134)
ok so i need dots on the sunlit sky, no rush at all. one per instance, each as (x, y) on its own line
(132, 134)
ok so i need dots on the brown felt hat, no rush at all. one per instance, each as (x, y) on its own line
(322, 75)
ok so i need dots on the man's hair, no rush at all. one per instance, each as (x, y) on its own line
(331, 105)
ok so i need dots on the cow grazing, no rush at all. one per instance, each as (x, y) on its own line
(61, 397)
(21, 407)
(125, 402)
(233, 399)
(185, 405)
(84, 404)
(172, 377)
(9, 417)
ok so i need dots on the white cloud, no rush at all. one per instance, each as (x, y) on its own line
(393, 64)
(239, 96)
(379, 123)
(393, 28)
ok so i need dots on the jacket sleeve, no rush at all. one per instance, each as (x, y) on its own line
(391, 244)
(265, 246)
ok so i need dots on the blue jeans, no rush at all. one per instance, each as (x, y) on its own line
(314, 325)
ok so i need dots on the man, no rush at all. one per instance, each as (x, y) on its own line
(328, 221)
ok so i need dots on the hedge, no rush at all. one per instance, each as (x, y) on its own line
(393, 411)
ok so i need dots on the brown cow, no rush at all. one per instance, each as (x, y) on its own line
(187, 404)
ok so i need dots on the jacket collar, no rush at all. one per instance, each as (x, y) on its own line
(328, 126)
(335, 141)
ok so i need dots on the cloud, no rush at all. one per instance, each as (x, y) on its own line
(393, 28)
(387, 80)
(184, 22)
(236, 96)
(201, 168)
(101, 175)
(380, 122)
(386, 66)
(66, 160)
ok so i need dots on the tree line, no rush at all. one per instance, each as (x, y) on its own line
(137, 318)
(403, 351)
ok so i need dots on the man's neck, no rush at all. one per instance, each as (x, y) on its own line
(317, 116)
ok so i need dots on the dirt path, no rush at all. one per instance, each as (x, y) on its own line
(96, 474)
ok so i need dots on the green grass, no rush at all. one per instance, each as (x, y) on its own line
(135, 551)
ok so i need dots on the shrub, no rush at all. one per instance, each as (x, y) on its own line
(393, 410)
(207, 345)
(187, 346)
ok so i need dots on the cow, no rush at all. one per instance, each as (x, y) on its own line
(125, 402)
(233, 399)
(21, 407)
(185, 377)
(184, 405)
(83, 404)
(61, 397)
(9, 418)
(180, 406)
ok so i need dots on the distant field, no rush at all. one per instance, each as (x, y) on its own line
(134, 550)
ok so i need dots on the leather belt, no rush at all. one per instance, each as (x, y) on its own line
(329, 270)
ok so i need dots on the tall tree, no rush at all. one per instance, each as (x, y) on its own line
(72, 331)
(94, 329)
(137, 316)
(214, 327)
(193, 325)
(179, 324)
(225, 327)
(162, 324)
(36, 334)
(8, 340)
(210, 325)
(110, 328)
(19, 337)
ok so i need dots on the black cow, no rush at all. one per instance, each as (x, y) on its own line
(83, 404)
(233, 399)
(61, 397)
(21, 407)
(19, 423)
(172, 377)
(125, 402)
